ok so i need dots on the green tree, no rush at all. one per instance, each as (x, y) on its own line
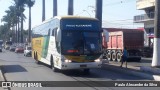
(29, 4)
(20, 4)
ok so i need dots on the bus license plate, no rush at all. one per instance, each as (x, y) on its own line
(83, 65)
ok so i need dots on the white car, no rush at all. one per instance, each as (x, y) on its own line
(28, 51)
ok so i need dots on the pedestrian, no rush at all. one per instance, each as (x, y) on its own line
(124, 57)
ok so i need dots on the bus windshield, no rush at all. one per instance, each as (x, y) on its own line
(81, 43)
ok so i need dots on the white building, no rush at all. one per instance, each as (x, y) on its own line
(147, 18)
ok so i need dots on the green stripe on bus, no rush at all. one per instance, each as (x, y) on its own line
(45, 46)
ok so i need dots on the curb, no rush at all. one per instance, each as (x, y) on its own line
(131, 71)
(150, 70)
(2, 78)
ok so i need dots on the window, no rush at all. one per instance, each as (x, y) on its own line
(49, 32)
(53, 32)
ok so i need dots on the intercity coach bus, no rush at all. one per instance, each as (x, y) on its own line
(68, 42)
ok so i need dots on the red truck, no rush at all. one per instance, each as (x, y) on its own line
(133, 40)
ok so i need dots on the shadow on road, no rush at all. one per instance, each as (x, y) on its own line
(12, 68)
(146, 61)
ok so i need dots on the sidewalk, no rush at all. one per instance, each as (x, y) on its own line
(141, 71)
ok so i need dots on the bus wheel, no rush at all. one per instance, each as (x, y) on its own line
(52, 65)
(36, 58)
(86, 71)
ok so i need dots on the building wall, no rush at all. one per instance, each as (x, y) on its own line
(148, 19)
(142, 4)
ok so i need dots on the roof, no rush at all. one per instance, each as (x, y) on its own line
(74, 17)
(66, 17)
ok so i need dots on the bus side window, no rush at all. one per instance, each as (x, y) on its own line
(49, 32)
(57, 43)
(53, 32)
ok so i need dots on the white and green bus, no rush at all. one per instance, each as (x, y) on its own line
(68, 42)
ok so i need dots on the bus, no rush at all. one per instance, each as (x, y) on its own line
(68, 42)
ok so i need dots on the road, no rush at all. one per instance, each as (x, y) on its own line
(16, 67)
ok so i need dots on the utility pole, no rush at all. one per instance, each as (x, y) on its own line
(156, 48)
(29, 27)
(98, 15)
(54, 8)
(70, 7)
(43, 10)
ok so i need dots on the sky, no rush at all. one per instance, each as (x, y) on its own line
(116, 13)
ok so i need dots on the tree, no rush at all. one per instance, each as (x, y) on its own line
(13, 16)
(20, 4)
(10, 19)
(29, 4)
(54, 8)
(70, 7)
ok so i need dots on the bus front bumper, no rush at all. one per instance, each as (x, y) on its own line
(70, 65)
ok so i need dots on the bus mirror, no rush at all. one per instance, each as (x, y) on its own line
(58, 36)
(106, 35)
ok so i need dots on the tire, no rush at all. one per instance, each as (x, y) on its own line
(36, 58)
(52, 65)
(114, 56)
(34, 55)
(109, 57)
(119, 57)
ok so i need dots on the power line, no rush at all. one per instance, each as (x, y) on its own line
(119, 2)
(122, 20)
(121, 23)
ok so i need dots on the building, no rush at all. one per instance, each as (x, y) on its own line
(147, 18)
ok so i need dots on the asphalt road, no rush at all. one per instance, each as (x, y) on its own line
(16, 67)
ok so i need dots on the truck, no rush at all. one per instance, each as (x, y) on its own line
(147, 51)
(132, 39)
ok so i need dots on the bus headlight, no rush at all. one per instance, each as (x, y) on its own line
(97, 60)
(67, 61)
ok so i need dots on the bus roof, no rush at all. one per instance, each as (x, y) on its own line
(74, 17)
(66, 17)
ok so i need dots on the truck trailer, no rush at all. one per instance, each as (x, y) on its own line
(133, 40)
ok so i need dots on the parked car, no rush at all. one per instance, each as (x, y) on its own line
(19, 49)
(28, 51)
(12, 48)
